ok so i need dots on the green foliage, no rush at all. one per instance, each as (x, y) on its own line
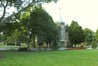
(89, 35)
(76, 34)
(43, 26)
(96, 35)
(54, 45)
(2, 37)
(19, 5)
(31, 19)
(94, 44)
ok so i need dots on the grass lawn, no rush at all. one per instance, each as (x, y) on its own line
(50, 58)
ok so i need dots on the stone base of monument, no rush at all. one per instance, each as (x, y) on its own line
(89, 48)
(61, 48)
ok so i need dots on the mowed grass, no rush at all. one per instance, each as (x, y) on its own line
(50, 58)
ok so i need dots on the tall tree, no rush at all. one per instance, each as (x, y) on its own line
(41, 24)
(76, 33)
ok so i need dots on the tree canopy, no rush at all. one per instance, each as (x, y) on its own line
(37, 22)
(76, 33)
(89, 35)
(42, 26)
(19, 5)
(29, 21)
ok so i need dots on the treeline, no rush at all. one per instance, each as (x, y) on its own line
(80, 36)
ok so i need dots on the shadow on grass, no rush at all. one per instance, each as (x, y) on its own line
(2, 57)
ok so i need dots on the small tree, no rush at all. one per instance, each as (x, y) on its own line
(42, 24)
(19, 5)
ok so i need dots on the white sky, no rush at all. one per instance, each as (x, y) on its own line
(9, 11)
(85, 12)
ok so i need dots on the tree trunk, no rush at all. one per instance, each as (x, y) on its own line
(4, 11)
(28, 44)
(47, 45)
(33, 45)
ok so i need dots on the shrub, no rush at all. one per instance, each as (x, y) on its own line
(55, 45)
(10, 44)
(94, 44)
(23, 49)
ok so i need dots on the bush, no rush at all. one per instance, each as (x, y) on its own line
(69, 45)
(94, 44)
(54, 45)
(23, 49)
(10, 44)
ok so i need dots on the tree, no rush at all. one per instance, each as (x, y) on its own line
(76, 34)
(42, 25)
(19, 5)
(96, 34)
(89, 35)
(5, 4)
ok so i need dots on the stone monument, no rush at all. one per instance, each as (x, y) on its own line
(63, 34)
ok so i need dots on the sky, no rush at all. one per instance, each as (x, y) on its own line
(85, 12)
(10, 10)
